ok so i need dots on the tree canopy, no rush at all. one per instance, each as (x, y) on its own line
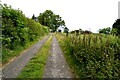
(105, 30)
(33, 17)
(66, 30)
(53, 21)
(116, 27)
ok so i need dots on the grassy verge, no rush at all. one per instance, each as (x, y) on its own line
(70, 60)
(92, 56)
(35, 68)
(8, 54)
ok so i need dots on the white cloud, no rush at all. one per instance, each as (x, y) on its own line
(85, 14)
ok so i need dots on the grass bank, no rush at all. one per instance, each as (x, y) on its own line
(35, 68)
(70, 60)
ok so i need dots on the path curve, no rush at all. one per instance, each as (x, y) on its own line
(56, 66)
(14, 68)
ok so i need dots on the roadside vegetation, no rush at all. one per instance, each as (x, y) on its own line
(35, 68)
(92, 55)
(18, 32)
(89, 55)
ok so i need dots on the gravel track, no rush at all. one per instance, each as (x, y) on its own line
(14, 68)
(56, 66)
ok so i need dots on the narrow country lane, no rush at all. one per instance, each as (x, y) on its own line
(14, 68)
(56, 66)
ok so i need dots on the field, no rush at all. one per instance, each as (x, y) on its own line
(92, 55)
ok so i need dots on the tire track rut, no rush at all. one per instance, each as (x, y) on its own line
(14, 68)
(56, 66)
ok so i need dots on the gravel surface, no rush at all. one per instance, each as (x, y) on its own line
(14, 68)
(56, 66)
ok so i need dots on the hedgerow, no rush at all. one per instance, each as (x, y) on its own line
(94, 56)
(18, 30)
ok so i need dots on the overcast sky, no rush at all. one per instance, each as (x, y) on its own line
(85, 14)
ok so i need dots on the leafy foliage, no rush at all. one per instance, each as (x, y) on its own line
(116, 27)
(105, 30)
(14, 27)
(18, 30)
(66, 30)
(95, 56)
(34, 18)
(48, 18)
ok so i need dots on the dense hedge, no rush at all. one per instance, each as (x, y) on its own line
(18, 29)
(18, 32)
(95, 56)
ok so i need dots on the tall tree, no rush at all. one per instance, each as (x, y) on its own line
(116, 27)
(33, 17)
(53, 21)
(66, 30)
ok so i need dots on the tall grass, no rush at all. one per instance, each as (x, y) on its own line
(95, 56)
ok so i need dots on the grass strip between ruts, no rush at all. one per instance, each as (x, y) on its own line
(35, 68)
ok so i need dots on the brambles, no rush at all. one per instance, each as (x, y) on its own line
(95, 56)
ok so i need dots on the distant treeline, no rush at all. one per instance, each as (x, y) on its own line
(115, 30)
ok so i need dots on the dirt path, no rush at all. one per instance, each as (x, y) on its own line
(13, 69)
(56, 66)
